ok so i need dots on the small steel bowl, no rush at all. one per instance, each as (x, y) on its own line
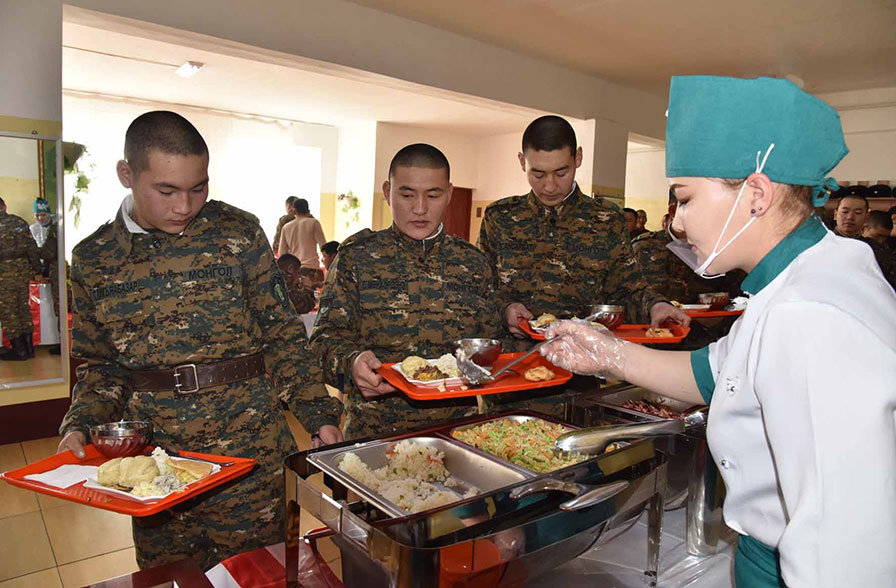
(715, 300)
(609, 315)
(482, 352)
(121, 439)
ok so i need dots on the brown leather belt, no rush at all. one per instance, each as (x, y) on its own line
(190, 378)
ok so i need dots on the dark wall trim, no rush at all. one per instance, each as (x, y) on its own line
(32, 420)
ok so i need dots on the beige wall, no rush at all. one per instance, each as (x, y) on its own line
(646, 186)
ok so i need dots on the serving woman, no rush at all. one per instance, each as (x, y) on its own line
(802, 391)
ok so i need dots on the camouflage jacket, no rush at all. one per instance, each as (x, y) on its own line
(19, 257)
(155, 300)
(565, 258)
(671, 277)
(280, 223)
(397, 296)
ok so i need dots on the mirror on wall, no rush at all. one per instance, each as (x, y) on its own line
(32, 289)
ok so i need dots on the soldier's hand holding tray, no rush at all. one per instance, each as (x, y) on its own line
(663, 312)
(512, 315)
(370, 383)
(74, 442)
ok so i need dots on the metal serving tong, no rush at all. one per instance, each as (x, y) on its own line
(594, 440)
(477, 375)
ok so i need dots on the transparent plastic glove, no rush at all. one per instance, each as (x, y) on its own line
(586, 349)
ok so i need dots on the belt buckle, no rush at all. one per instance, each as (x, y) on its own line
(178, 385)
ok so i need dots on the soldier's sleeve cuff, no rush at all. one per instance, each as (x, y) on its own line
(331, 416)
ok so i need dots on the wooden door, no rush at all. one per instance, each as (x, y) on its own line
(457, 219)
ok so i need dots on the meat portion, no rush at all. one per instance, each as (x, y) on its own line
(653, 409)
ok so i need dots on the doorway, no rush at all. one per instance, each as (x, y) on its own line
(457, 218)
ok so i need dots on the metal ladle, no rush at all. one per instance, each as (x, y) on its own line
(476, 375)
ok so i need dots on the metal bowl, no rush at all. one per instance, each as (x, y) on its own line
(121, 439)
(482, 352)
(609, 315)
(715, 300)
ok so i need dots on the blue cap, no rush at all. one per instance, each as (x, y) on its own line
(717, 125)
(41, 205)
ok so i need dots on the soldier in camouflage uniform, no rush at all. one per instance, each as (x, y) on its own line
(558, 251)
(19, 261)
(290, 215)
(410, 289)
(178, 281)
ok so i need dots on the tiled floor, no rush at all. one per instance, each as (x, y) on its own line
(54, 543)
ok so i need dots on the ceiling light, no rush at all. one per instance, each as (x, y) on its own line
(189, 68)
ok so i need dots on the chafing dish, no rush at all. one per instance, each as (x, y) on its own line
(692, 477)
(520, 525)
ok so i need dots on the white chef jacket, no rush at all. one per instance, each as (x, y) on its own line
(803, 411)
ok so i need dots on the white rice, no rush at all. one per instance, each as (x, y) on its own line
(408, 479)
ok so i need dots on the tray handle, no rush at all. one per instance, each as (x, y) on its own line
(545, 485)
(594, 496)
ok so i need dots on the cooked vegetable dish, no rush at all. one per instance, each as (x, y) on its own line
(527, 443)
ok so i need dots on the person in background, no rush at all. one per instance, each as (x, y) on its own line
(631, 222)
(851, 216)
(800, 496)
(411, 289)
(183, 320)
(19, 261)
(43, 219)
(878, 227)
(556, 250)
(328, 253)
(641, 225)
(302, 236)
(299, 285)
(666, 220)
(892, 213)
(290, 214)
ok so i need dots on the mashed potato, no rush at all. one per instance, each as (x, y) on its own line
(448, 364)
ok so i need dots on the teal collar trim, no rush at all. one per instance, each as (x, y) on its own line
(810, 232)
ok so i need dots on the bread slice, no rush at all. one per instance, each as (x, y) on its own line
(188, 470)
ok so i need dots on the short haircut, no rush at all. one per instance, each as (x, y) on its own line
(301, 206)
(640, 210)
(880, 218)
(892, 210)
(288, 260)
(2, 202)
(164, 131)
(420, 155)
(292, 200)
(330, 247)
(855, 197)
(630, 211)
(549, 133)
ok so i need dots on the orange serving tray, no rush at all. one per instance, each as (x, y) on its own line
(712, 313)
(107, 501)
(633, 333)
(510, 382)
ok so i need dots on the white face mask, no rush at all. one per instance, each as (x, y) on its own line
(682, 249)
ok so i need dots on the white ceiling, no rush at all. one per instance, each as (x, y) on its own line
(832, 45)
(105, 62)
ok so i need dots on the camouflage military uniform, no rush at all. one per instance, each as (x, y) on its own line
(397, 296)
(19, 260)
(886, 259)
(49, 255)
(154, 300)
(283, 220)
(562, 260)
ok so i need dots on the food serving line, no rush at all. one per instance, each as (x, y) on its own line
(525, 524)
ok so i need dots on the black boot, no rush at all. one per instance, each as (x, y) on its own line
(19, 351)
(56, 350)
(29, 343)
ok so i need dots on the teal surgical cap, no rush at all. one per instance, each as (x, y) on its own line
(41, 205)
(716, 126)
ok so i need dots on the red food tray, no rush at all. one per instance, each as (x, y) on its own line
(99, 499)
(633, 333)
(511, 382)
(712, 313)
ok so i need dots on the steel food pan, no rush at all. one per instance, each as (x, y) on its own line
(470, 468)
(617, 399)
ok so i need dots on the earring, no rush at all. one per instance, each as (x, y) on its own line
(753, 211)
